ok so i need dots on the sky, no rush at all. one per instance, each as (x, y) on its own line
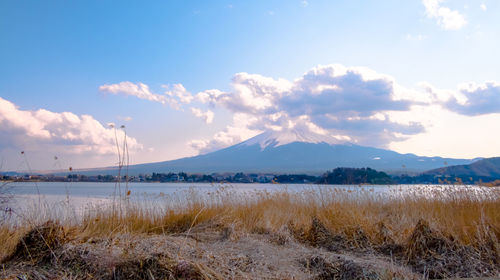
(178, 78)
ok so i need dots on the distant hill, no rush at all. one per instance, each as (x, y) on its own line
(484, 168)
(290, 152)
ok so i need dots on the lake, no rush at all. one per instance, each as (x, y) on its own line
(68, 200)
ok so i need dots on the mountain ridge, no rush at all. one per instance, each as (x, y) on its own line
(290, 152)
(488, 167)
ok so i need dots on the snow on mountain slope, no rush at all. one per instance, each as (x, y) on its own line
(273, 138)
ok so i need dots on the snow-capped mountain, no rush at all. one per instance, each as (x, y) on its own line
(273, 138)
(293, 152)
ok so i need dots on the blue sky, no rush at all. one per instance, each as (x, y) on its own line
(65, 56)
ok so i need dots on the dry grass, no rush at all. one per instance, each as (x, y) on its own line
(465, 216)
(432, 234)
(495, 183)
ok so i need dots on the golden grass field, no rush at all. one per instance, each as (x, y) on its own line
(318, 234)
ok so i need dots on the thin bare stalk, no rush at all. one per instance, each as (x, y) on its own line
(125, 152)
(31, 172)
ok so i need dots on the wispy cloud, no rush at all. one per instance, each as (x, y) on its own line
(138, 90)
(447, 18)
(174, 95)
(483, 7)
(126, 118)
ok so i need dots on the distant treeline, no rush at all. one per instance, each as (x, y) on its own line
(341, 175)
(355, 176)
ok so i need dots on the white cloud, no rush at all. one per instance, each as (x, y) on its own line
(447, 18)
(175, 95)
(355, 104)
(178, 91)
(141, 91)
(476, 99)
(233, 134)
(483, 7)
(211, 96)
(304, 3)
(138, 90)
(350, 103)
(207, 116)
(470, 99)
(65, 132)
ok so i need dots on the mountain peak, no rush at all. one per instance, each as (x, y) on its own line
(272, 138)
(259, 154)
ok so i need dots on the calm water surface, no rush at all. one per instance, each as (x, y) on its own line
(107, 190)
(72, 199)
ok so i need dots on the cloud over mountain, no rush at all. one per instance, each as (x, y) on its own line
(350, 103)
